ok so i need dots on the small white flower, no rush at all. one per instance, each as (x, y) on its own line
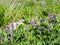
(51, 26)
(43, 3)
(13, 25)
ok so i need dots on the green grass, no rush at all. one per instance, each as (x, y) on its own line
(14, 10)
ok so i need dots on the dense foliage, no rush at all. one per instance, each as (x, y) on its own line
(41, 25)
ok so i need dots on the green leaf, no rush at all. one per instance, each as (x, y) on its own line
(0, 31)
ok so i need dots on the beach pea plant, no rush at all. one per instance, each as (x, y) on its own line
(29, 22)
(46, 33)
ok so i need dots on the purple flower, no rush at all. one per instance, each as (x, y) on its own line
(11, 35)
(38, 26)
(12, 25)
(43, 20)
(3, 38)
(9, 27)
(17, 23)
(33, 23)
(52, 16)
(49, 14)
